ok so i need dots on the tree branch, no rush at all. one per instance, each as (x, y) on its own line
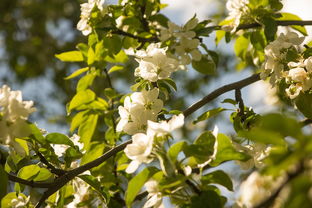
(226, 88)
(29, 183)
(61, 181)
(54, 170)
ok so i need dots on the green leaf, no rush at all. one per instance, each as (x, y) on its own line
(289, 16)
(44, 174)
(204, 66)
(86, 129)
(115, 68)
(203, 147)
(241, 46)
(82, 97)
(4, 182)
(70, 56)
(231, 101)
(85, 81)
(226, 151)
(91, 56)
(57, 138)
(270, 28)
(36, 134)
(77, 73)
(28, 172)
(303, 103)
(175, 149)
(137, 182)
(121, 57)
(209, 114)
(263, 136)
(218, 177)
(95, 151)
(77, 120)
(207, 199)
(284, 125)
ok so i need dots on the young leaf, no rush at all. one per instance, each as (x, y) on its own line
(175, 149)
(57, 138)
(70, 56)
(77, 73)
(218, 177)
(80, 98)
(226, 151)
(86, 129)
(28, 172)
(204, 66)
(209, 114)
(137, 182)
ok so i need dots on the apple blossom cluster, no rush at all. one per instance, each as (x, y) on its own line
(154, 63)
(138, 108)
(140, 151)
(297, 73)
(13, 117)
(237, 10)
(185, 42)
(86, 10)
(258, 187)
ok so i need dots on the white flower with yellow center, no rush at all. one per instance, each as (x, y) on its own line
(138, 108)
(154, 63)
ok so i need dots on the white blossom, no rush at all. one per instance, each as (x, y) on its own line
(237, 9)
(138, 108)
(20, 202)
(258, 153)
(154, 197)
(13, 117)
(164, 128)
(186, 47)
(139, 151)
(154, 63)
(275, 54)
(257, 188)
(86, 10)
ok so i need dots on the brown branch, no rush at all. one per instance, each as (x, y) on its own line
(69, 175)
(61, 181)
(239, 99)
(29, 183)
(53, 169)
(226, 88)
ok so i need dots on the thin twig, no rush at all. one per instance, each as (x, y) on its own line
(216, 93)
